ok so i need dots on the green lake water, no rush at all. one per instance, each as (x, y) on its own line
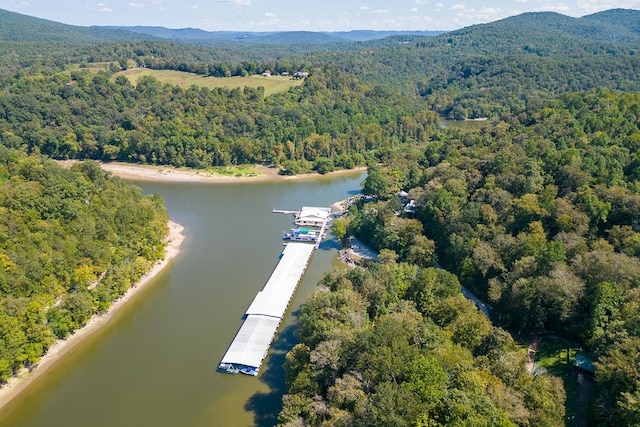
(154, 363)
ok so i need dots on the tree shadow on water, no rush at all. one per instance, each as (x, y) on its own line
(329, 245)
(267, 406)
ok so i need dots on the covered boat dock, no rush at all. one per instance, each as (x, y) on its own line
(262, 319)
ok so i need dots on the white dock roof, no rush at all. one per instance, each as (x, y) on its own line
(277, 292)
(290, 269)
(268, 304)
(252, 342)
(315, 211)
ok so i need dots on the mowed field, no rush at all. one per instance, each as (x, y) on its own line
(271, 84)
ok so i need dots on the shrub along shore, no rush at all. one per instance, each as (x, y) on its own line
(17, 384)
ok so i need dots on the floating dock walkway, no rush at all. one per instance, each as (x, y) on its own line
(262, 319)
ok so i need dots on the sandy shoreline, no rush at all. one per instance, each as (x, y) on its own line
(15, 385)
(174, 240)
(170, 174)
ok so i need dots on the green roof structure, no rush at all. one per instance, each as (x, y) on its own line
(584, 362)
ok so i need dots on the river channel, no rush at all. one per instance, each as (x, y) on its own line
(154, 363)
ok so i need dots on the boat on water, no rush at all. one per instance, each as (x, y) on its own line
(251, 345)
(302, 235)
(228, 368)
(249, 371)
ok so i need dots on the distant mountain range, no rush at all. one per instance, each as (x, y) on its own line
(281, 37)
(23, 28)
(18, 27)
(533, 29)
(546, 31)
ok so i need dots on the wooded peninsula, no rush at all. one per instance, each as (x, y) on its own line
(502, 158)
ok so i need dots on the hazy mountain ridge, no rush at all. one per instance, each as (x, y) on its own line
(23, 28)
(614, 25)
(549, 33)
(271, 37)
(611, 26)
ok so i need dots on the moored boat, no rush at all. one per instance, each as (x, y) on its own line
(302, 235)
(228, 368)
(249, 371)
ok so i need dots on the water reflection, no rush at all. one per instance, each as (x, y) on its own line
(154, 363)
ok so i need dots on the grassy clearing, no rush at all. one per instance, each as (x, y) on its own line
(271, 84)
(552, 356)
(94, 67)
(236, 171)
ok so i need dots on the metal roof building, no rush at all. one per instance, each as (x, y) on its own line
(251, 344)
(313, 216)
(274, 298)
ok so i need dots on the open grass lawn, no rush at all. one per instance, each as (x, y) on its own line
(94, 67)
(552, 356)
(237, 171)
(271, 84)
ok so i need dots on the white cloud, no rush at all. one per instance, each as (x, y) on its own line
(241, 14)
(104, 8)
(587, 7)
(488, 14)
(19, 5)
(369, 10)
(345, 23)
(575, 8)
(554, 7)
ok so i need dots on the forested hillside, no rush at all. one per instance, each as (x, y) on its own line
(396, 344)
(22, 28)
(71, 241)
(539, 216)
(496, 69)
(537, 210)
(487, 70)
(330, 121)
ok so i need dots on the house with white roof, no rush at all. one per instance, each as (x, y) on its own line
(312, 217)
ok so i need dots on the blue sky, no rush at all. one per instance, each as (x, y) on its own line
(310, 15)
